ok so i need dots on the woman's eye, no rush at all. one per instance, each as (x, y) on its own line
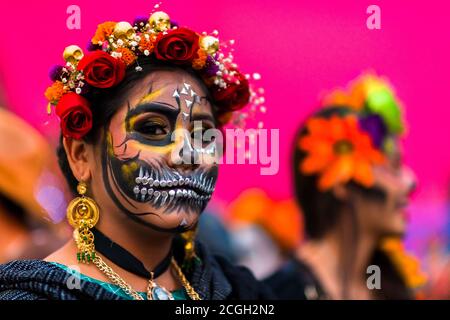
(152, 129)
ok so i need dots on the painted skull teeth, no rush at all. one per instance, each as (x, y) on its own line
(165, 197)
(170, 187)
(202, 183)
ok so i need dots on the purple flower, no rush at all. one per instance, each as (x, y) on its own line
(55, 72)
(174, 23)
(140, 19)
(210, 68)
(93, 47)
(375, 127)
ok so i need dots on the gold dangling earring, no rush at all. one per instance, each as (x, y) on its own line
(83, 215)
(190, 257)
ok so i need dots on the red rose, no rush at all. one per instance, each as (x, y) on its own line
(101, 70)
(75, 115)
(179, 46)
(234, 96)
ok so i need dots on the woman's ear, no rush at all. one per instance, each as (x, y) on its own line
(77, 156)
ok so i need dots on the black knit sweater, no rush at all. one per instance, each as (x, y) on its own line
(213, 279)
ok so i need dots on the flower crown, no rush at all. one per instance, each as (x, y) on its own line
(344, 148)
(117, 46)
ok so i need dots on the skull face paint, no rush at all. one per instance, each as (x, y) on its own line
(140, 173)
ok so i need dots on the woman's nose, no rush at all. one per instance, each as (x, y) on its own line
(408, 179)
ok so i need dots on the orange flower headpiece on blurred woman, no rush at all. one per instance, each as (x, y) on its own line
(345, 147)
(119, 46)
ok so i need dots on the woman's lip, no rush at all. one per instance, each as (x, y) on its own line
(187, 187)
(402, 204)
(204, 185)
(168, 195)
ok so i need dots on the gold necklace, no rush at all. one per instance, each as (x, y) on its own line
(117, 280)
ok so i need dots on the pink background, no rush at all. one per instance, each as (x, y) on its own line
(299, 47)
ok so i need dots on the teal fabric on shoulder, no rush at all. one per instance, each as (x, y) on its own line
(179, 294)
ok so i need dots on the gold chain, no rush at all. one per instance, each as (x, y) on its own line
(117, 280)
(187, 286)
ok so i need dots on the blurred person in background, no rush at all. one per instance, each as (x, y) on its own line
(264, 231)
(25, 229)
(353, 191)
(213, 233)
(438, 260)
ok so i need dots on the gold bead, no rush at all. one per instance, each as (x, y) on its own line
(82, 210)
(123, 30)
(73, 54)
(159, 21)
(81, 188)
(210, 44)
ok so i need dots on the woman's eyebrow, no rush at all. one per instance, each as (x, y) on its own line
(161, 107)
(202, 116)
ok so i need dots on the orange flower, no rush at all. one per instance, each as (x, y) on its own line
(353, 100)
(54, 92)
(147, 44)
(128, 57)
(338, 151)
(104, 30)
(357, 92)
(282, 220)
(199, 63)
(407, 265)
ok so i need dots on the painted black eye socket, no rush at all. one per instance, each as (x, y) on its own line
(151, 129)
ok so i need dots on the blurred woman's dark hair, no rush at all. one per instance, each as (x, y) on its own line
(321, 213)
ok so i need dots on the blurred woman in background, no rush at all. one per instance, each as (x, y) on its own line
(24, 157)
(25, 228)
(353, 191)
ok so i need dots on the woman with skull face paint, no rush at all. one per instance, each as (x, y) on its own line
(352, 189)
(131, 112)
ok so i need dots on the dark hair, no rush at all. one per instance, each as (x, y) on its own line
(320, 209)
(106, 102)
(13, 209)
(321, 212)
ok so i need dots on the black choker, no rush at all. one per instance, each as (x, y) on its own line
(124, 259)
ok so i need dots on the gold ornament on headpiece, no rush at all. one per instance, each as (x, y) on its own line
(73, 54)
(210, 44)
(123, 30)
(83, 215)
(159, 21)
